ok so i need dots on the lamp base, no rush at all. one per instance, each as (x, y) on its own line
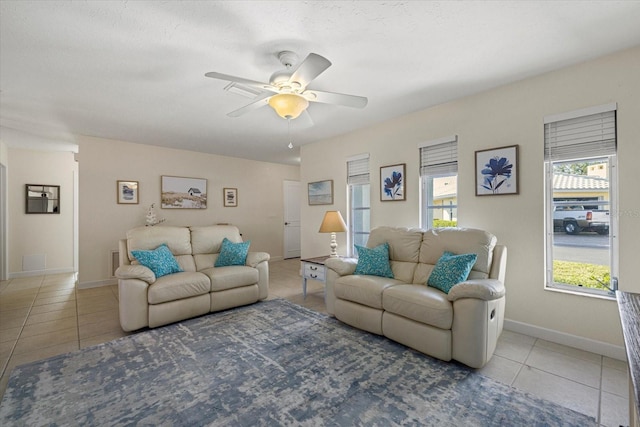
(334, 246)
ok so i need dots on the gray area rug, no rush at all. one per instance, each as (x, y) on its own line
(271, 363)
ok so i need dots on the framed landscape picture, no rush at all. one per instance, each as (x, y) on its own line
(183, 193)
(320, 192)
(127, 192)
(392, 183)
(497, 171)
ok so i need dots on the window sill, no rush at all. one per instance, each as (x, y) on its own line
(582, 293)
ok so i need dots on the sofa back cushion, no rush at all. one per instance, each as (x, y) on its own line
(404, 243)
(459, 241)
(208, 239)
(404, 249)
(178, 239)
(206, 242)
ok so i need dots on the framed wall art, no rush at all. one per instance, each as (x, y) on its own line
(320, 192)
(497, 171)
(230, 197)
(183, 193)
(127, 192)
(392, 183)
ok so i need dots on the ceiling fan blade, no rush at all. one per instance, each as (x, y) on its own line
(260, 102)
(335, 98)
(312, 66)
(254, 83)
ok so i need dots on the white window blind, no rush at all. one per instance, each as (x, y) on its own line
(439, 158)
(358, 170)
(592, 135)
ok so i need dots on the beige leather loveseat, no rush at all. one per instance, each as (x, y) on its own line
(463, 325)
(147, 300)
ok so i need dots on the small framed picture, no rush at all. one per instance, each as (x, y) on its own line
(320, 192)
(497, 171)
(127, 192)
(392, 183)
(230, 197)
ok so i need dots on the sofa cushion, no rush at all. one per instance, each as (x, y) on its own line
(160, 260)
(404, 271)
(460, 241)
(232, 253)
(450, 270)
(404, 243)
(186, 262)
(365, 290)
(374, 262)
(178, 239)
(178, 286)
(208, 239)
(231, 277)
(420, 303)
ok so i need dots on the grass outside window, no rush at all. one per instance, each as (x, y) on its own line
(581, 274)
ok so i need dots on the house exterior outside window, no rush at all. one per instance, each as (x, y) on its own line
(581, 201)
(439, 182)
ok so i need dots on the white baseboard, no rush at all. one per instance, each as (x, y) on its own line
(97, 283)
(586, 344)
(31, 273)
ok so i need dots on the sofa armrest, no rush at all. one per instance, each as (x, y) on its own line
(255, 258)
(133, 303)
(342, 266)
(336, 267)
(136, 272)
(483, 289)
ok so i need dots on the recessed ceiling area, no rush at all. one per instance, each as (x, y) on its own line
(134, 71)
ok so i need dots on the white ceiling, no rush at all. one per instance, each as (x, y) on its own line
(134, 70)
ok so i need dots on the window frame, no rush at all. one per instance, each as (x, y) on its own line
(358, 175)
(443, 164)
(352, 213)
(573, 156)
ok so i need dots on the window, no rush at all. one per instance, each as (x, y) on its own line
(580, 200)
(359, 201)
(439, 182)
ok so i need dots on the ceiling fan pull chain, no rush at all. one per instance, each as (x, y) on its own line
(289, 132)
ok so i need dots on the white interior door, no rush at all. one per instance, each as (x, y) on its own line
(291, 219)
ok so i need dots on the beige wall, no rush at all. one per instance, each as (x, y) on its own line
(259, 214)
(4, 153)
(512, 114)
(36, 234)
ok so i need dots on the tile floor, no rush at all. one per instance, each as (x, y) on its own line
(46, 315)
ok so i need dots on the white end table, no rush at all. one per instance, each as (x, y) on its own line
(313, 268)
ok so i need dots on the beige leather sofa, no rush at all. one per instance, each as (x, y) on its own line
(201, 288)
(463, 325)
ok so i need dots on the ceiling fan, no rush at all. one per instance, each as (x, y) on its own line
(287, 91)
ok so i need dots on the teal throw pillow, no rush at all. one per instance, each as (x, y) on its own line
(450, 270)
(232, 253)
(160, 260)
(374, 262)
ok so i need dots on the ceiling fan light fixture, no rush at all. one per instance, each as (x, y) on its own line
(288, 105)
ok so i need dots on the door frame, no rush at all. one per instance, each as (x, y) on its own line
(286, 188)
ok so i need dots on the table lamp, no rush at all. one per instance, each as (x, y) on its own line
(333, 223)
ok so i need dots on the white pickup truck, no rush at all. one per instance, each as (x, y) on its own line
(575, 219)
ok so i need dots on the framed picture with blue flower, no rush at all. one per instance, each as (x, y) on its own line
(497, 171)
(392, 183)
